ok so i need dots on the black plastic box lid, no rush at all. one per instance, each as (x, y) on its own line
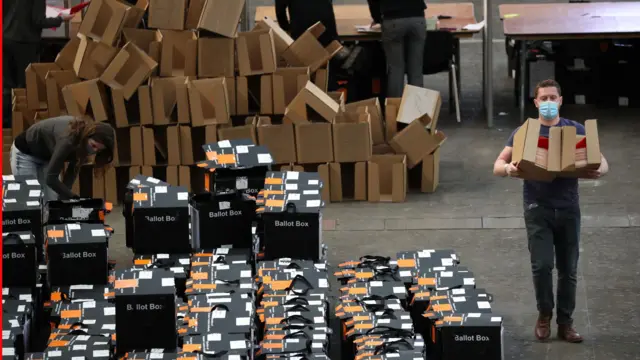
(235, 154)
(160, 197)
(76, 234)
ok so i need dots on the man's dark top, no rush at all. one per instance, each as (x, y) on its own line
(395, 9)
(49, 140)
(304, 14)
(559, 193)
(23, 20)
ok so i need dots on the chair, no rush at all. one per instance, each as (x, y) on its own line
(439, 56)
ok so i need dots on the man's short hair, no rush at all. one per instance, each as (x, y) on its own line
(547, 84)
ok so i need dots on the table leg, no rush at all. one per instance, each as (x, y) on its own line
(487, 49)
(522, 78)
(456, 53)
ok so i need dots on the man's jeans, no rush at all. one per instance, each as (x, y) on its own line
(27, 165)
(560, 228)
(403, 41)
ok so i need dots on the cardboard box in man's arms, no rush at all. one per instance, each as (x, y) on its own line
(562, 154)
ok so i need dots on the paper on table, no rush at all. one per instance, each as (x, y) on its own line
(475, 27)
(368, 28)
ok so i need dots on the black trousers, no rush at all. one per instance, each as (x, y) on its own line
(551, 229)
(16, 57)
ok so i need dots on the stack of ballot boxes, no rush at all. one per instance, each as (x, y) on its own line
(290, 207)
(423, 300)
(293, 309)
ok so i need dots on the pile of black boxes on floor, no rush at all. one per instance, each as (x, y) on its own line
(420, 305)
(50, 251)
(224, 274)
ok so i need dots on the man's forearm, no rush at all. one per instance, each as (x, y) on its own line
(499, 168)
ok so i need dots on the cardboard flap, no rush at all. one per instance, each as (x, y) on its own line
(66, 57)
(317, 29)
(554, 154)
(281, 38)
(143, 38)
(419, 103)
(264, 121)
(569, 139)
(594, 155)
(399, 182)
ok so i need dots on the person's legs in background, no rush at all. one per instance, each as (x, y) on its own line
(9, 82)
(21, 55)
(393, 36)
(26, 165)
(416, 37)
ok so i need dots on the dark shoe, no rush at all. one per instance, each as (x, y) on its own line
(543, 327)
(569, 334)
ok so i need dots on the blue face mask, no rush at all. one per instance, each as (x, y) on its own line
(90, 150)
(548, 110)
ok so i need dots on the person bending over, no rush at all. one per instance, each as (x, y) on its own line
(552, 220)
(43, 150)
(404, 32)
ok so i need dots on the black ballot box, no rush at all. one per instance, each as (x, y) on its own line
(222, 219)
(292, 218)
(127, 202)
(22, 210)
(145, 311)
(77, 254)
(459, 335)
(161, 220)
(19, 259)
(235, 166)
(57, 212)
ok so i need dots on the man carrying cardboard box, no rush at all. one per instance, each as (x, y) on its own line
(552, 219)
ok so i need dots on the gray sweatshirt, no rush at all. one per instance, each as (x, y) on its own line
(49, 140)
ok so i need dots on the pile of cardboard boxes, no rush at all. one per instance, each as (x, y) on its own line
(191, 78)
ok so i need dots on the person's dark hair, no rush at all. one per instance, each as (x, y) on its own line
(547, 84)
(82, 130)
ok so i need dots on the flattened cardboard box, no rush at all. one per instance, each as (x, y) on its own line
(419, 103)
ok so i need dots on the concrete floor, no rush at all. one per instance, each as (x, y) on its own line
(481, 217)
